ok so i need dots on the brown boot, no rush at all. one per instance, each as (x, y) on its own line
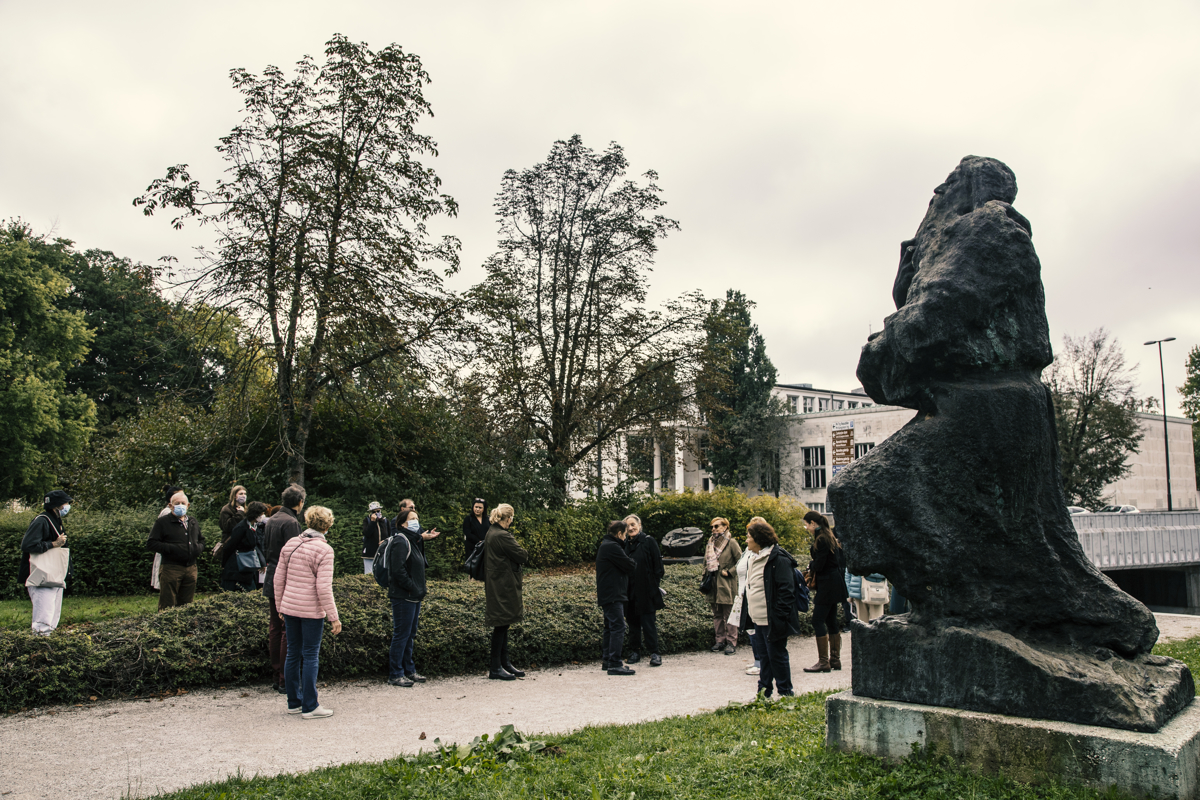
(835, 650)
(822, 664)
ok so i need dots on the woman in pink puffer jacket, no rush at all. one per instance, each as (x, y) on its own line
(304, 597)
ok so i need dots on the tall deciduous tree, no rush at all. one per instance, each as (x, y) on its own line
(733, 392)
(1095, 412)
(574, 353)
(322, 241)
(1191, 403)
(42, 424)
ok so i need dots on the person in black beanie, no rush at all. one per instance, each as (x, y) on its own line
(44, 533)
(613, 570)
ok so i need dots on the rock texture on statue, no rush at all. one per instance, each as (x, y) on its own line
(963, 509)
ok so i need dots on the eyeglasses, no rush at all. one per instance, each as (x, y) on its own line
(717, 527)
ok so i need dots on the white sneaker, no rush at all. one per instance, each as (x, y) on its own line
(319, 712)
(295, 710)
(751, 670)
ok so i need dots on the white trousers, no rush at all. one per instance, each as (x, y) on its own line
(868, 611)
(368, 566)
(47, 608)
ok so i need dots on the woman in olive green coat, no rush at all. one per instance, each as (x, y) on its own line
(502, 558)
(721, 556)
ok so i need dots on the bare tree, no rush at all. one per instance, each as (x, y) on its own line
(322, 242)
(576, 354)
(1095, 412)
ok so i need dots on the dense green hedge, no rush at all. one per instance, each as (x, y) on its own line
(109, 555)
(222, 640)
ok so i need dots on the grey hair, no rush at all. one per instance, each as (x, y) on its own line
(635, 516)
(293, 495)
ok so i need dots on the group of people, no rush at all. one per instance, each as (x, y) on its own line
(265, 546)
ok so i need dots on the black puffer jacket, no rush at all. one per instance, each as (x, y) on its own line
(242, 539)
(613, 570)
(779, 585)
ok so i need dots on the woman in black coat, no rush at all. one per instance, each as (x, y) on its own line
(475, 526)
(828, 565)
(644, 597)
(243, 538)
(769, 604)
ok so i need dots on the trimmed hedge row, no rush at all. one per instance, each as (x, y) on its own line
(222, 640)
(109, 555)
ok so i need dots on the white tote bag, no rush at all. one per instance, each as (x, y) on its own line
(874, 592)
(154, 571)
(48, 570)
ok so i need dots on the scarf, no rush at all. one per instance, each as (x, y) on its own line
(712, 554)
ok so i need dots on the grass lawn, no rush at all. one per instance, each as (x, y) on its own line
(16, 613)
(757, 751)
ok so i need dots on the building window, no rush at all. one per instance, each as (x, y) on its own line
(814, 467)
(822, 403)
(793, 403)
(817, 507)
(808, 405)
(861, 448)
(707, 484)
(838, 404)
(852, 404)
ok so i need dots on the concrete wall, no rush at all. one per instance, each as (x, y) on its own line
(1146, 485)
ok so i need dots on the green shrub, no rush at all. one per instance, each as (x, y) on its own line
(222, 640)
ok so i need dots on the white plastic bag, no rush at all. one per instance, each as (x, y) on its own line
(154, 571)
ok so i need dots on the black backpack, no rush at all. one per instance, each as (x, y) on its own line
(379, 566)
(802, 597)
(476, 565)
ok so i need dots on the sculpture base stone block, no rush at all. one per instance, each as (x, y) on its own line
(1161, 764)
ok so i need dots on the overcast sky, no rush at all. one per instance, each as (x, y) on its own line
(797, 143)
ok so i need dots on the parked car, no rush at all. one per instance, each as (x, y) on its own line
(1077, 510)
(1119, 510)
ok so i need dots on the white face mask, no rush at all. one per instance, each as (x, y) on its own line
(241, 498)
(414, 525)
(262, 520)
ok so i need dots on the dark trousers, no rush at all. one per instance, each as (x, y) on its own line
(303, 655)
(614, 632)
(776, 666)
(177, 585)
(643, 625)
(276, 642)
(897, 603)
(760, 651)
(405, 616)
(824, 620)
(499, 647)
(238, 586)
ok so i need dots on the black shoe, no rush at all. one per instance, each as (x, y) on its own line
(279, 687)
(604, 665)
(633, 658)
(416, 677)
(716, 648)
(621, 670)
(500, 675)
(655, 660)
(402, 681)
(730, 650)
(511, 670)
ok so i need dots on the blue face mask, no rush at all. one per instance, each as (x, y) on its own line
(180, 510)
(414, 525)
(62, 512)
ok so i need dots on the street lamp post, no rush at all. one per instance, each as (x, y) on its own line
(1166, 440)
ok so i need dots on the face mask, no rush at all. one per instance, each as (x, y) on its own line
(62, 512)
(180, 510)
(414, 525)
(241, 498)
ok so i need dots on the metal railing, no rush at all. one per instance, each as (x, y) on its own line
(1139, 541)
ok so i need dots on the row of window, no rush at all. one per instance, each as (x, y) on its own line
(813, 461)
(811, 404)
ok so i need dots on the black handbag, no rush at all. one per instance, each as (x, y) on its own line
(475, 565)
(248, 561)
(708, 584)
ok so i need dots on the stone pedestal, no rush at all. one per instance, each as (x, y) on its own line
(1162, 764)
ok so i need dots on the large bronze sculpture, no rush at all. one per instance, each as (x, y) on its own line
(963, 508)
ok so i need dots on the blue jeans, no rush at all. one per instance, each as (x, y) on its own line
(404, 631)
(300, 666)
(614, 633)
(776, 666)
(760, 651)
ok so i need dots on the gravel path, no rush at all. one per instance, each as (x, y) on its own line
(134, 748)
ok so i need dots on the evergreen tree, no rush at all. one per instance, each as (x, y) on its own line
(733, 392)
